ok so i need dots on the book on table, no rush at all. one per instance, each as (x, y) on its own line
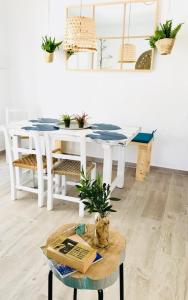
(72, 252)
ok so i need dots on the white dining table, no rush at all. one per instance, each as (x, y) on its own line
(108, 146)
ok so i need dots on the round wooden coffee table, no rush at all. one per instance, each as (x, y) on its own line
(100, 275)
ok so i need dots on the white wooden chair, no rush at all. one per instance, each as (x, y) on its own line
(68, 165)
(20, 157)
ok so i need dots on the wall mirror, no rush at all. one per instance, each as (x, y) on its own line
(122, 29)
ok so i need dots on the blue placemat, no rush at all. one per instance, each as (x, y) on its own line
(107, 136)
(103, 126)
(44, 120)
(41, 127)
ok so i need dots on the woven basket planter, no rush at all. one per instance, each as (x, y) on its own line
(48, 57)
(80, 35)
(127, 53)
(165, 46)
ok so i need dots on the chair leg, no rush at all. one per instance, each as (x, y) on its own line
(40, 189)
(57, 183)
(50, 192)
(81, 209)
(75, 294)
(64, 185)
(100, 294)
(50, 285)
(121, 281)
(12, 183)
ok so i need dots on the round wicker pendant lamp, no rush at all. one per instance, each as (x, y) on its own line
(80, 34)
(128, 50)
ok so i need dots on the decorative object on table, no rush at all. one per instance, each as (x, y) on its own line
(80, 34)
(41, 127)
(66, 119)
(81, 119)
(164, 37)
(144, 61)
(95, 195)
(71, 252)
(107, 136)
(49, 45)
(103, 126)
(127, 50)
(81, 229)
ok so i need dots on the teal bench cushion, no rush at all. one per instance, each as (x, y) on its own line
(143, 137)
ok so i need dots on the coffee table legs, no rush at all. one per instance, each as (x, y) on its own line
(75, 294)
(100, 294)
(50, 285)
(121, 281)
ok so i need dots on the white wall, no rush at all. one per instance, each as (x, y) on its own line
(4, 65)
(156, 100)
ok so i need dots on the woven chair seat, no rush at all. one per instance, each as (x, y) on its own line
(29, 162)
(71, 168)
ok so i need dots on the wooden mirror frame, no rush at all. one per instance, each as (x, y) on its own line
(123, 37)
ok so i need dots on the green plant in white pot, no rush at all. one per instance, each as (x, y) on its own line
(95, 195)
(49, 45)
(164, 37)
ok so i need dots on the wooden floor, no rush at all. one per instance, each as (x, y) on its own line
(153, 216)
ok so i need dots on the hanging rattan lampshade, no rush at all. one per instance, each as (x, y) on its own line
(127, 53)
(80, 34)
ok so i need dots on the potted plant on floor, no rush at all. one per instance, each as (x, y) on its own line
(66, 119)
(95, 195)
(164, 37)
(49, 45)
(81, 120)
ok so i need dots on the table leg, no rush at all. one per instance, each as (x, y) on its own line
(121, 167)
(75, 294)
(50, 285)
(100, 294)
(107, 164)
(121, 281)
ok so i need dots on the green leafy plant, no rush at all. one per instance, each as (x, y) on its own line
(81, 119)
(49, 44)
(66, 119)
(164, 31)
(95, 195)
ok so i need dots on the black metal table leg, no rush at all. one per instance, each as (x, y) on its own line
(50, 285)
(121, 281)
(100, 294)
(75, 294)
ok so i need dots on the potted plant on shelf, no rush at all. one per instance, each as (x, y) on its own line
(95, 195)
(66, 119)
(164, 37)
(49, 45)
(81, 120)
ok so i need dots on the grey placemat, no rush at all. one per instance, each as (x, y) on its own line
(107, 136)
(40, 127)
(103, 126)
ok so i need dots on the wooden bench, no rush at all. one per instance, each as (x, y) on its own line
(144, 142)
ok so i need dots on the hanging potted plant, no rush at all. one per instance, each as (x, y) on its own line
(49, 45)
(164, 37)
(95, 195)
(69, 53)
(81, 120)
(66, 119)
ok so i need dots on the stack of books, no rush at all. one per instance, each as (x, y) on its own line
(72, 254)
